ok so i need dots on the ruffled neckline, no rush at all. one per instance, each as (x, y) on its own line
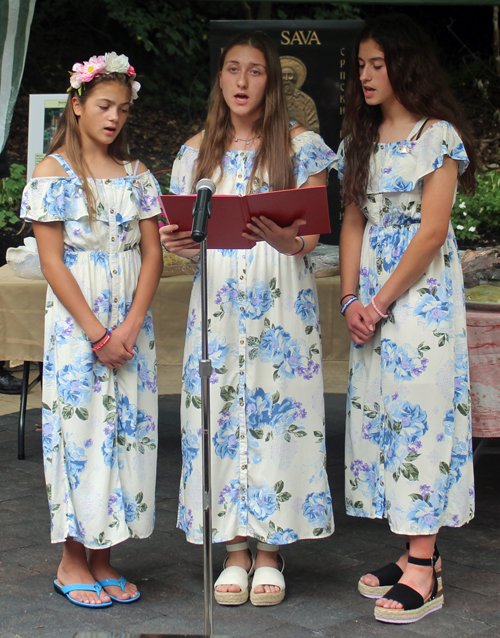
(408, 140)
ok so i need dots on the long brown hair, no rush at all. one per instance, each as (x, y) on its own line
(273, 127)
(419, 84)
(68, 135)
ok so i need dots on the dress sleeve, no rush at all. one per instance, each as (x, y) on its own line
(53, 199)
(150, 190)
(407, 163)
(310, 156)
(339, 162)
(181, 182)
(440, 140)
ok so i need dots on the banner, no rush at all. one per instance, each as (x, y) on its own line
(315, 60)
(15, 23)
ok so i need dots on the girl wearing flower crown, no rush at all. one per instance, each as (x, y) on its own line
(408, 432)
(94, 217)
(267, 411)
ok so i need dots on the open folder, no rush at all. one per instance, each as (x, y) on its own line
(231, 213)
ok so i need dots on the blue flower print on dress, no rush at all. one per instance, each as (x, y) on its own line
(70, 258)
(283, 537)
(63, 329)
(75, 528)
(100, 259)
(405, 361)
(74, 385)
(410, 421)
(230, 494)
(305, 307)
(259, 299)
(393, 183)
(259, 405)
(273, 344)
(318, 509)
(228, 298)
(190, 450)
(184, 518)
(76, 460)
(262, 501)
(368, 284)
(424, 515)
(224, 440)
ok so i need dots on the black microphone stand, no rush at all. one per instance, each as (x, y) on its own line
(205, 368)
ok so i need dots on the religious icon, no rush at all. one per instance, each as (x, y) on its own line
(301, 107)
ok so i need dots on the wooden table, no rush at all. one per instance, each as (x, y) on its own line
(22, 311)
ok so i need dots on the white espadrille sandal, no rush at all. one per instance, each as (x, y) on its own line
(268, 576)
(234, 576)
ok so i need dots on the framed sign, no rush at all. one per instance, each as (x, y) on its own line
(315, 61)
(45, 111)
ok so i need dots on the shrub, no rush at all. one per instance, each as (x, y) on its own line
(478, 216)
(11, 192)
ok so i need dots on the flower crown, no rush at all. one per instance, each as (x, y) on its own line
(102, 65)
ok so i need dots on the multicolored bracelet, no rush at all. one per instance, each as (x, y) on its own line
(351, 294)
(347, 304)
(100, 338)
(300, 249)
(377, 309)
(102, 342)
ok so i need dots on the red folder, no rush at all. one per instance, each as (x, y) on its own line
(231, 213)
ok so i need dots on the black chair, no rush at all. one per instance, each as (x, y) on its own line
(27, 386)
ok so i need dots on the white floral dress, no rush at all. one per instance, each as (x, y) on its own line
(408, 438)
(99, 425)
(267, 410)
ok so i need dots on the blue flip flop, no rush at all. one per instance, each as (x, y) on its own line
(121, 582)
(65, 590)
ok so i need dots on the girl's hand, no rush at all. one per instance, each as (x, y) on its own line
(361, 322)
(175, 241)
(127, 335)
(114, 354)
(282, 239)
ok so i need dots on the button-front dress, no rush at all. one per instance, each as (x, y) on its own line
(99, 425)
(408, 437)
(267, 411)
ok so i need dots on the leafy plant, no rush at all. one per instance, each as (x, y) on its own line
(478, 216)
(11, 191)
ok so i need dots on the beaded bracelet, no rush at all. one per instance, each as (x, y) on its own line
(100, 339)
(377, 309)
(351, 294)
(347, 304)
(300, 249)
(103, 342)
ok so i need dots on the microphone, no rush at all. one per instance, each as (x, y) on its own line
(202, 209)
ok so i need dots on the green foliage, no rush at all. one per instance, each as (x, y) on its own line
(320, 11)
(478, 216)
(163, 178)
(11, 191)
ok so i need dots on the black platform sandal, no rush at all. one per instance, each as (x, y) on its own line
(388, 576)
(414, 606)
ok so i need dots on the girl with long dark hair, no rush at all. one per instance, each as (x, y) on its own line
(94, 217)
(408, 439)
(267, 410)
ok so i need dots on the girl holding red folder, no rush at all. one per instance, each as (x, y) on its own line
(408, 435)
(267, 410)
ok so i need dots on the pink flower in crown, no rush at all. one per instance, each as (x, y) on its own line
(131, 71)
(87, 71)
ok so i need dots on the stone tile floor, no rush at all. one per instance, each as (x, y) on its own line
(321, 575)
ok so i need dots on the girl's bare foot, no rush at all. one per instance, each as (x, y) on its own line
(74, 570)
(101, 569)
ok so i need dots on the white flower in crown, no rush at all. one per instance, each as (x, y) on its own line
(135, 90)
(118, 63)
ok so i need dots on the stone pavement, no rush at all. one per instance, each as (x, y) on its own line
(321, 575)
